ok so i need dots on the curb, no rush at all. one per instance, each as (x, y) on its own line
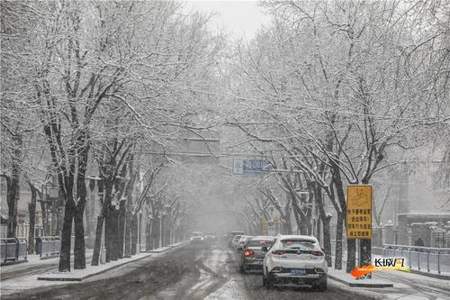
(362, 284)
(81, 278)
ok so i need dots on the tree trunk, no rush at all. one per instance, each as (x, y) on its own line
(128, 240)
(98, 240)
(66, 235)
(80, 247)
(134, 234)
(351, 249)
(339, 233)
(32, 215)
(115, 234)
(12, 198)
(112, 234)
(106, 212)
(296, 215)
(108, 235)
(318, 197)
(121, 229)
(287, 225)
(155, 232)
(327, 239)
(89, 212)
(351, 254)
(45, 227)
(148, 241)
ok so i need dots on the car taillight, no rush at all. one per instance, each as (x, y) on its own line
(248, 252)
(277, 252)
(317, 253)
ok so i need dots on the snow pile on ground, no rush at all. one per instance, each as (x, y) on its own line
(78, 275)
(229, 290)
(348, 279)
(14, 285)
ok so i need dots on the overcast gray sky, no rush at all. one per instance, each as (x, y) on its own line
(238, 18)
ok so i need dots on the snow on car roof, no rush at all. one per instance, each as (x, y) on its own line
(299, 237)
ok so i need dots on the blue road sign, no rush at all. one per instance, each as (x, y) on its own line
(251, 166)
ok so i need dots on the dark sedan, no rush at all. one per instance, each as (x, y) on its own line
(252, 255)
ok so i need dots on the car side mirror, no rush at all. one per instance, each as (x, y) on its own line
(264, 249)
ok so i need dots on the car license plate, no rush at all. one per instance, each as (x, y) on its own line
(298, 272)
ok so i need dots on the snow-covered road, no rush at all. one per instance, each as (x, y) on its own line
(211, 272)
(215, 277)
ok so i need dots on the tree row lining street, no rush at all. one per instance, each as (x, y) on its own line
(129, 126)
(211, 272)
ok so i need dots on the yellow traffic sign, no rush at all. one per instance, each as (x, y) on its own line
(359, 211)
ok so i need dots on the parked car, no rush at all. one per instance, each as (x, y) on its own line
(252, 255)
(295, 259)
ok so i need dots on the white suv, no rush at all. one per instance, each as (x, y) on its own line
(295, 259)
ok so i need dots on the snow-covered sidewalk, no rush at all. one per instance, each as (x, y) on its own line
(78, 275)
(54, 277)
(431, 273)
(33, 264)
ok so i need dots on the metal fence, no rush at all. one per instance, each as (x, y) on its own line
(12, 249)
(48, 246)
(425, 259)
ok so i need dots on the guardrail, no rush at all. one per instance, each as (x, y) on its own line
(425, 259)
(48, 246)
(13, 249)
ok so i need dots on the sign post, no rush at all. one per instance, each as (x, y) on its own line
(359, 219)
(264, 226)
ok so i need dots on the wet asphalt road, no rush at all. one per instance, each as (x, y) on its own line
(190, 272)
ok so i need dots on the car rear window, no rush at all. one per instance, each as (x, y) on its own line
(300, 244)
(259, 243)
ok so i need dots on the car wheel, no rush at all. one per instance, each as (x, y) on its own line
(322, 284)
